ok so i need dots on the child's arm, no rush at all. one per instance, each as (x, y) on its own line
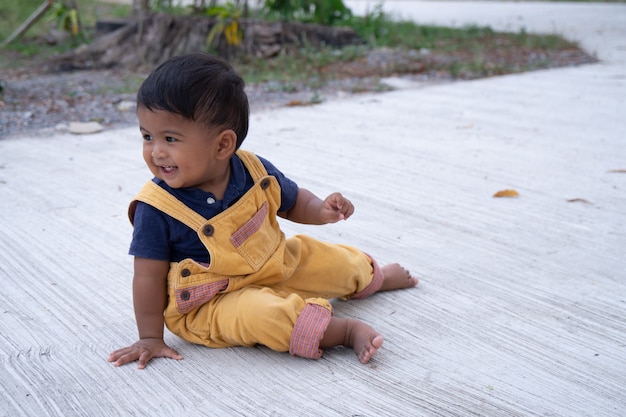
(149, 299)
(309, 209)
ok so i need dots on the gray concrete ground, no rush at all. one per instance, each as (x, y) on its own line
(521, 306)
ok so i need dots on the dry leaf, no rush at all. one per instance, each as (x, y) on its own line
(294, 103)
(618, 171)
(578, 200)
(506, 193)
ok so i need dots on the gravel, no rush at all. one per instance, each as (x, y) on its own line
(33, 102)
(41, 104)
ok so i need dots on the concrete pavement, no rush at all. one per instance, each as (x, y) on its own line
(520, 309)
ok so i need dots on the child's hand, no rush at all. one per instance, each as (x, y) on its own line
(336, 207)
(143, 350)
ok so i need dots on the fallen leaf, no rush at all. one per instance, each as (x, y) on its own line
(294, 103)
(314, 100)
(618, 171)
(506, 193)
(578, 200)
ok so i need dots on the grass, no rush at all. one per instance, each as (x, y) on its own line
(298, 66)
(469, 52)
(13, 13)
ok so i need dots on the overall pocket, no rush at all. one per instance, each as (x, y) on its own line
(191, 286)
(257, 240)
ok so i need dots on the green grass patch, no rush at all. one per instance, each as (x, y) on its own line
(468, 52)
(301, 65)
(14, 12)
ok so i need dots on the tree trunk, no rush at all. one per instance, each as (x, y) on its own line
(140, 7)
(145, 43)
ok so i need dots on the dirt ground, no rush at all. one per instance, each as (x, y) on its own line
(37, 102)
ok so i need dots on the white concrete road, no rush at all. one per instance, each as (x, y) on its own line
(521, 307)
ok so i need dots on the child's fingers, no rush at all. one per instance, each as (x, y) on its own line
(333, 201)
(340, 207)
(348, 210)
(118, 355)
(125, 358)
(338, 202)
(344, 207)
(144, 358)
(113, 356)
(172, 354)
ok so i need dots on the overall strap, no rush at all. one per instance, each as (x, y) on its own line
(253, 164)
(160, 199)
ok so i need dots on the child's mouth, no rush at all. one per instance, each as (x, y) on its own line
(168, 169)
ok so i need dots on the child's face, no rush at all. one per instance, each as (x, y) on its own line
(181, 152)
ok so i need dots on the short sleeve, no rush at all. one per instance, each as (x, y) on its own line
(288, 187)
(150, 234)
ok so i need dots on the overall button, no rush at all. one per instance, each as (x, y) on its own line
(185, 273)
(265, 183)
(208, 230)
(185, 295)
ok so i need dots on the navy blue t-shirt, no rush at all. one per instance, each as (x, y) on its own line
(159, 236)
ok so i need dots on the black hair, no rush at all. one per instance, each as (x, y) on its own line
(201, 88)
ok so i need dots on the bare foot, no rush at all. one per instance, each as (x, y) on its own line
(396, 277)
(363, 339)
(353, 334)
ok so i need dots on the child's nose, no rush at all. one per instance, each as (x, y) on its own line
(158, 150)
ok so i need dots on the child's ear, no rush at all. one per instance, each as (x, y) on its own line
(226, 144)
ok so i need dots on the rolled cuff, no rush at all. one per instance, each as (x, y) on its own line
(309, 331)
(374, 285)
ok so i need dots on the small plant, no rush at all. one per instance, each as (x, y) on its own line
(323, 12)
(168, 6)
(227, 24)
(372, 25)
(329, 12)
(66, 17)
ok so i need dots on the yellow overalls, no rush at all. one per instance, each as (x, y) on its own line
(259, 287)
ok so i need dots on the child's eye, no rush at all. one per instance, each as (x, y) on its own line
(147, 137)
(170, 139)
